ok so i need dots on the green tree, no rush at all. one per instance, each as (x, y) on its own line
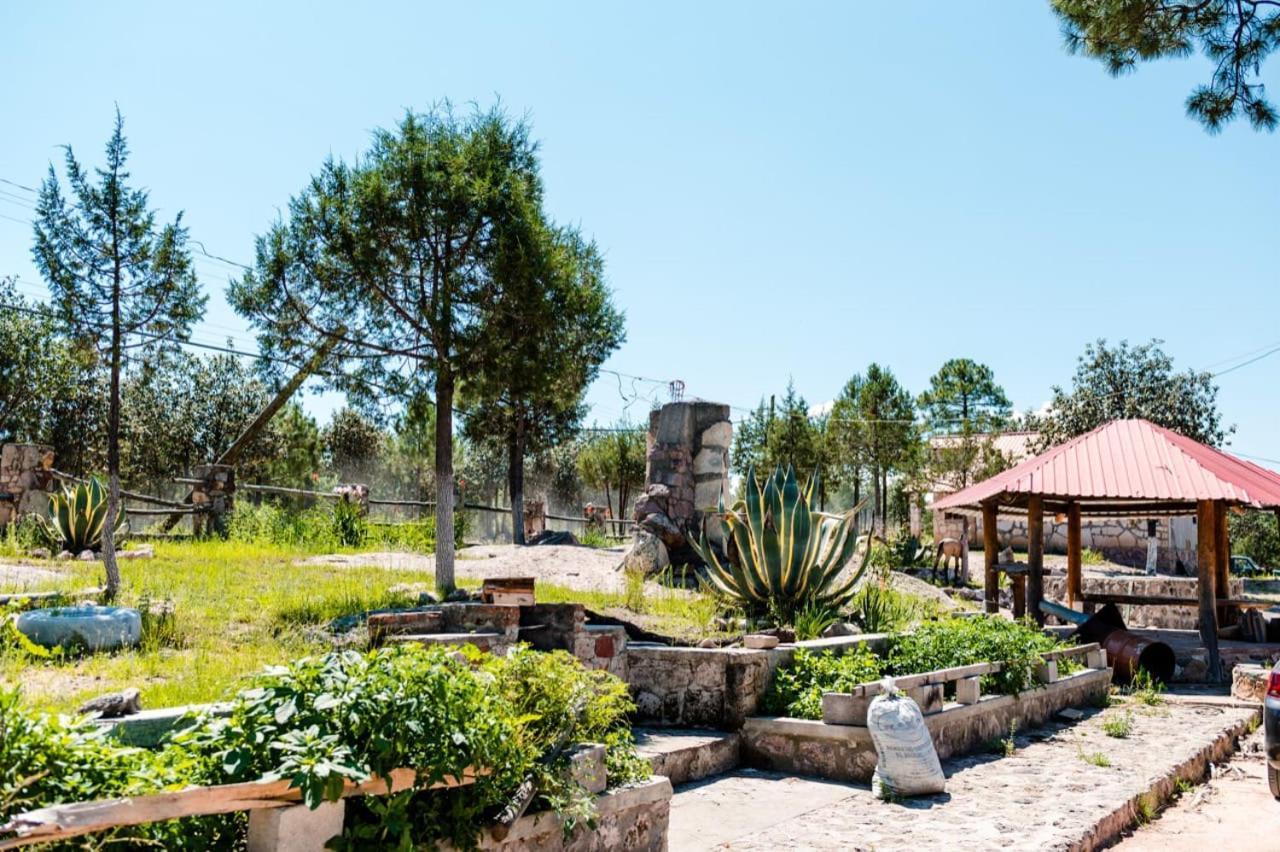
(40, 368)
(749, 441)
(613, 461)
(352, 445)
(1236, 35)
(1255, 534)
(847, 437)
(410, 449)
(116, 279)
(888, 432)
(1124, 381)
(297, 462)
(553, 324)
(393, 255)
(963, 410)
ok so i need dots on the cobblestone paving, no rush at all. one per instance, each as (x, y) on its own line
(1051, 793)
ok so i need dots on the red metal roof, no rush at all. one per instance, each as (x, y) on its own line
(1129, 460)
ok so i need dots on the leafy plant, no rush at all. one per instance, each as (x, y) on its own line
(1089, 556)
(1008, 744)
(634, 592)
(783, 555)
(1145, 689)
(349, 526)
(1118, 725)
(879, 608)
(812, 620)
(796, 690)
(962, 641)
(78, 515)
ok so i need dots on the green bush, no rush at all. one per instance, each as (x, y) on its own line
(346, 716)
(349, 525)
(324, 527)
(963, 641)
(880, 608)
(796, 690)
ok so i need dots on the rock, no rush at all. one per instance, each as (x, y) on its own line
(841, 628)
(654, 500)
(87, 556)
(647, 554)
(459, 596)
(65, 555)
(553, 537)
(759, 641)
(708, 643)
(1249, 682)
(113, 705)
(38, 553)
(144, 552)
(664, 528)
(1070, 714)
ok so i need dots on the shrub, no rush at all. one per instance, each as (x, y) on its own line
(785, 554)
(346, 716)
(812, 620)
(796, 690)
(594, 537)
(78, 515)
(963, 641)
(349, 526)
(880, 608)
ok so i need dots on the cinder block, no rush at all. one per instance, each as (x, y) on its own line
(295, 828)
(1047, 671)
(839, 708)
(969, 690)
(586, 767)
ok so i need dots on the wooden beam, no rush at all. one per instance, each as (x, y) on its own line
(990, 546)
(1035, 556)
(72, 820)
(1075, 581)
(1206, 577)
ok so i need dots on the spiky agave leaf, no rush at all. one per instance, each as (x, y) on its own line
(79, 514)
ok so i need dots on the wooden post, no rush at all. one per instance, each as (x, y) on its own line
(1206, 576)
(1035, 556)
(1227, 615)
(990, 544)
(1075, 582)
(1018, 588)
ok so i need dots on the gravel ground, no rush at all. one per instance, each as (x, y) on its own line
(583, 568)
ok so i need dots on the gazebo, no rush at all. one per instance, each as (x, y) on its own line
(1122, 469)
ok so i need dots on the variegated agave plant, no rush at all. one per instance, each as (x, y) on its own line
(78, 514)
(783, 555)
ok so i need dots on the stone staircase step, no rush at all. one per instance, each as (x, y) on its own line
(685, 755)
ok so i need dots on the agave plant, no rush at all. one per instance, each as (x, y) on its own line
(783, 555)
(78, 514)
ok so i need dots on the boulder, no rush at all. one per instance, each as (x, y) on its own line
(664, 528)
(841, 628)
(647, 554)
(144, 552)
(113, 705)
(65, 556)
(654, 500)
(38, 553)
(87, 555)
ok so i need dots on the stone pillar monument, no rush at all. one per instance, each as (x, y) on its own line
(26, 476)
(686, 469)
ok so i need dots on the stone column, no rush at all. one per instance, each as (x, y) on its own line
(26, 477)
(212, 498)
(686, 470)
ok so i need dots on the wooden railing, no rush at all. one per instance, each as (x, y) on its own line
(60, 822)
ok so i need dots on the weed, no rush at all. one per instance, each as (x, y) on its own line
(633, 594)
(1089, 556)
(1118, 725)
(1182, 786)
(1007, 745)
(1145, 689)
(812, 620)
(1096, 758)
(1145, 808)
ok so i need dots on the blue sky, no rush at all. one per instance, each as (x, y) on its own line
(781, 191)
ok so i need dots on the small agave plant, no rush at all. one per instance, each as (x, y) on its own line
(78, 514)
(783, 555)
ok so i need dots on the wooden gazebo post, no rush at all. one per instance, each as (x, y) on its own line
(1075, 580)
(1035, 556)
(1206, 582)
(990, 544)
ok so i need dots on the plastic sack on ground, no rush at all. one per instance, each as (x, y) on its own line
(908, 763)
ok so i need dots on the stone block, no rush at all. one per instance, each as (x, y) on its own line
(295, 828)
(586, 767)
(1249, 682)
(706, 495)
(718, 436)
(928, 697)
(968, 690)
(842, 709)
(1047, 671)
(760, 641)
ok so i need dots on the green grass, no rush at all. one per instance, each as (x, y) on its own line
(1118, 725)
(238, 607)
(1095, 758)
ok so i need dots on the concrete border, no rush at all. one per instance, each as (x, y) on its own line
(846, 752)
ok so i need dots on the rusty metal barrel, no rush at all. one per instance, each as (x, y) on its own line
(1126, 651)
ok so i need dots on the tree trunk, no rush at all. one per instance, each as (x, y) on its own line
(444, 482)
(877, 519)
(515, 481)
(109, 563)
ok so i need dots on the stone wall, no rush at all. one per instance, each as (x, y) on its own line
(1170, 617)
(1120, 541)
(26, 477)
(846, 752)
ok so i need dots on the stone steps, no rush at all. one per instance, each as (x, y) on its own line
(685, 755)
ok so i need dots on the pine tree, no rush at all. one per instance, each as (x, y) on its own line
(117, 279)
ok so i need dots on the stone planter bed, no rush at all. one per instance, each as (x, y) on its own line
(844, 751)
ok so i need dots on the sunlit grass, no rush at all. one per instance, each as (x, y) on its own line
(238, 607)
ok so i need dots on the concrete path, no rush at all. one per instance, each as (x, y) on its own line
(1065, 787)
(1233, 811)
